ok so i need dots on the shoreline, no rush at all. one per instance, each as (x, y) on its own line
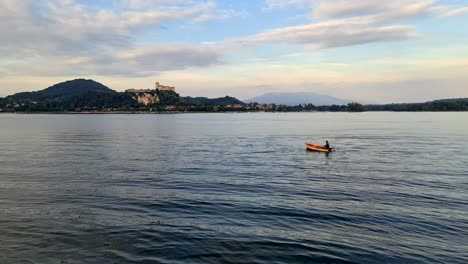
(228, 112)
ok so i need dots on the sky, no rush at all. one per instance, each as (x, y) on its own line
(369, 51)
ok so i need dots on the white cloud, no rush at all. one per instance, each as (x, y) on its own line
(341, 23)
(148, 60)
(342, 8)
(276, 4)
(456, 12)
(74, 38)
(391, 9)
(59, 27)
(332, 34)
(136, 62)
(401, 9)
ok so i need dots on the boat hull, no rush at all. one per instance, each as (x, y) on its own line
(317, 148)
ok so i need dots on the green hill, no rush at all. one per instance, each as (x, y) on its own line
(62, 91)
(454, 100)
(69, 96)
(89, 95)
(222, 101)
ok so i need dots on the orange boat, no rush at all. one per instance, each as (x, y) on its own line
(312, 147)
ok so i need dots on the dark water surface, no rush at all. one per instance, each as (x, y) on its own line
(234, 188)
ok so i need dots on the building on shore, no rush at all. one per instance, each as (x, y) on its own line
(160, 87)
(157, 87)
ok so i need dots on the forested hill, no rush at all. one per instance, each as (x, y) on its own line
(227, 100)
(451, 100)
(434, 106)
(63, 90)
(89, 95)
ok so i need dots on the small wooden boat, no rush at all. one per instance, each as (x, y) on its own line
(312, 147)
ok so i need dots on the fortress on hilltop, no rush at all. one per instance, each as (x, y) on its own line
(163, 87)
(157, 87)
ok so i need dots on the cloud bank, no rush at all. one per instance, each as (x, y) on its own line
(119, 39)
(66, 32)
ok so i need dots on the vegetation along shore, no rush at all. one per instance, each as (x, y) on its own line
(88, 96)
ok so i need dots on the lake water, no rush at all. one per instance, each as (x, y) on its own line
(234, 188)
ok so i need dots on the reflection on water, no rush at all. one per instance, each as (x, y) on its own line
(234, 188)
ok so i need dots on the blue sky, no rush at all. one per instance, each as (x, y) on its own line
(368, 50)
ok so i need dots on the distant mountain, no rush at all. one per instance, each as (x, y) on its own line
(297, 98)
(63, 90)
(222, 101)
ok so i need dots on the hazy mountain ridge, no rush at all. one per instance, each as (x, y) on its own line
(297, 99)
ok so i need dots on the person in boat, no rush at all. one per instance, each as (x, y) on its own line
(327, 145)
